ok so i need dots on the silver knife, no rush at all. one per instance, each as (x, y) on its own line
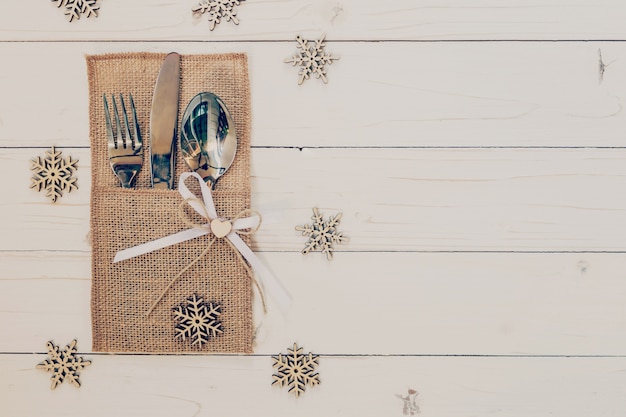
(163, 122)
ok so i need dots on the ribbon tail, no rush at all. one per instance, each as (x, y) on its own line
(157, 244)
(271, 284)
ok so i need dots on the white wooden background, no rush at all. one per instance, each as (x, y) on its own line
(476, 149)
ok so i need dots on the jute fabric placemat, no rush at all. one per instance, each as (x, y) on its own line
(123, 292)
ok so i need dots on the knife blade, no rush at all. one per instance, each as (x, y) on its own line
(163, 122)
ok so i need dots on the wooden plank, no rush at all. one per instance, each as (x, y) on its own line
(389, 303)
(343, 19)
(409, 200)
(379, 94)
(203, 386)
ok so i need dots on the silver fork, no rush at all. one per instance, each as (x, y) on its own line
(125, 149)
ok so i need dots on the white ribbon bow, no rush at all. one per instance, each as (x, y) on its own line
(272, 285)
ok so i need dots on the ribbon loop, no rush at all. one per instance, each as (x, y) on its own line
(220, 228)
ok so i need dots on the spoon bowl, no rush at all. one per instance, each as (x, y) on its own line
(208, 141)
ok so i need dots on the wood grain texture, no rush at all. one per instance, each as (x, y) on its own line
(201, 386)
(143, 20)
(389, 303)
(408, 200)
(379, 94)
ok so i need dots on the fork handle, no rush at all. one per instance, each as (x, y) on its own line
(127, 177)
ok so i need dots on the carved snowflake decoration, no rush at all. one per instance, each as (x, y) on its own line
(322, 234)
(410, 406)
(54, 174)
(197, 320)
(218, 10)
(75, 8)
(63, 364)
(311, 59)
(295, 370)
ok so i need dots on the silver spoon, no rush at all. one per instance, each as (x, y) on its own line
(208, 140)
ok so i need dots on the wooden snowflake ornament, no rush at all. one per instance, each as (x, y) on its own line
(322, 234)
(311, 59)
(74, 9)
(296, 370)
(218, 10)
(197, 320)
(54, 174)
(410, 406)
(63, 364)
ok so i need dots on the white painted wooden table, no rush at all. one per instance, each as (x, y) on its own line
(476, 149)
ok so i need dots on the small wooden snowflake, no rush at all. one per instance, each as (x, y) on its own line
(197, 320)
(296, 370)
(63, 364)
(311, 59)
(410, 406)
(322, 234)
(75, 8)
(54, 174)
(218, 10)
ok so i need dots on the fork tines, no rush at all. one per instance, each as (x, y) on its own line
(124, 141)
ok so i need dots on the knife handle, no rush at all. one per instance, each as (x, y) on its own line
(162, 171)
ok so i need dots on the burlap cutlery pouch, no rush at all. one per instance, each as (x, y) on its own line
(122, 293)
